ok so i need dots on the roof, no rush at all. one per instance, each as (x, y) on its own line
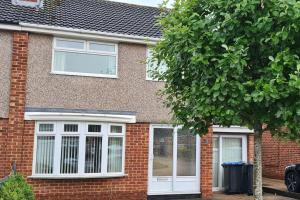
(90, 15)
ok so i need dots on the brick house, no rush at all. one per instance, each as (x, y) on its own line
(79, 111)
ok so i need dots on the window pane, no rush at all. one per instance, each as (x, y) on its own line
(116, 129)
(102, 47)
(71, 128)
(93, 149)
(232, 150)
(69, 155)
(186, 153)
(44, 155)
(163, 152)
(84, 63)
(115, 146)
(94, 128)
(216, 164)
(73, 44)
(152, 66)
(46, 127)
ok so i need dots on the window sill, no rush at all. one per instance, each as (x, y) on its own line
(154, 80)
(84, 75)
(88, 176)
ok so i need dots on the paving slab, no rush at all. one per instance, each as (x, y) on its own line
(276, 186)
(222, 196)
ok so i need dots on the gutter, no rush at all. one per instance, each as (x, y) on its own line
(78, 33)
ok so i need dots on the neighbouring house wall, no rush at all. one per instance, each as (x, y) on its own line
(5, 65)
(277, 155)
(129, 92)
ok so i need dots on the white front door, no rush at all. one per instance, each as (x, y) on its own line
(173, 161)
(227, 148)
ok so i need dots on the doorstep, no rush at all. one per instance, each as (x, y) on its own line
(278, 187)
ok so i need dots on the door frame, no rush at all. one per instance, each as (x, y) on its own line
(244, 154)
(174, 175)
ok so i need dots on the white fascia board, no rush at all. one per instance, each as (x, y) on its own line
(231, 129)
(79, 33)
(47, 116)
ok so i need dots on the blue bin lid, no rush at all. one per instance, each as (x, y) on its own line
(233, 163)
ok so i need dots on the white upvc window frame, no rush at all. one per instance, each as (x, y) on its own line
(85, 50)
(58, 133)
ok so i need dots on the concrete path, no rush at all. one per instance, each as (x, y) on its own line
(278, 187)
(219, 196)
(274, 183)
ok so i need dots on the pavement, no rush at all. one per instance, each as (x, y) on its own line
(275, 186)
(221, 196)
(274, 183)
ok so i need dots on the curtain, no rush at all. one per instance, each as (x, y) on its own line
(216, 162)
(93, 147)
(44, 154)
(232, 150)
(69, 154)
(114, 154)
(59, 61)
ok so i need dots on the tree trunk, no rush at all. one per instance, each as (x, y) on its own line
(257, 173)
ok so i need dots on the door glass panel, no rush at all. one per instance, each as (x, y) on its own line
(186, 153)
(232, 150)
(216, 164)
(163, 152)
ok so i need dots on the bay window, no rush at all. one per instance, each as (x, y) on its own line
(86, 58)
(78, 149)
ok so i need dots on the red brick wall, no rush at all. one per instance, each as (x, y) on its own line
(250, 148)
(131, 187)
(206, 165)
(277, 155)
(3, 133)
(17, 99)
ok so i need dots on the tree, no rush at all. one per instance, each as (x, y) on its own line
(233, 62)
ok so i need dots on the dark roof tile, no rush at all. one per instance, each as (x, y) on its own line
(93, 15)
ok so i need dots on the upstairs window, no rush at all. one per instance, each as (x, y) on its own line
(84, 58)
(152, 66)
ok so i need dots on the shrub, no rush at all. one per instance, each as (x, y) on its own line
(16, 188)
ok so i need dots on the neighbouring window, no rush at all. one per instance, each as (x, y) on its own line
(71, 149)
(153, 66)
(81, 57)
